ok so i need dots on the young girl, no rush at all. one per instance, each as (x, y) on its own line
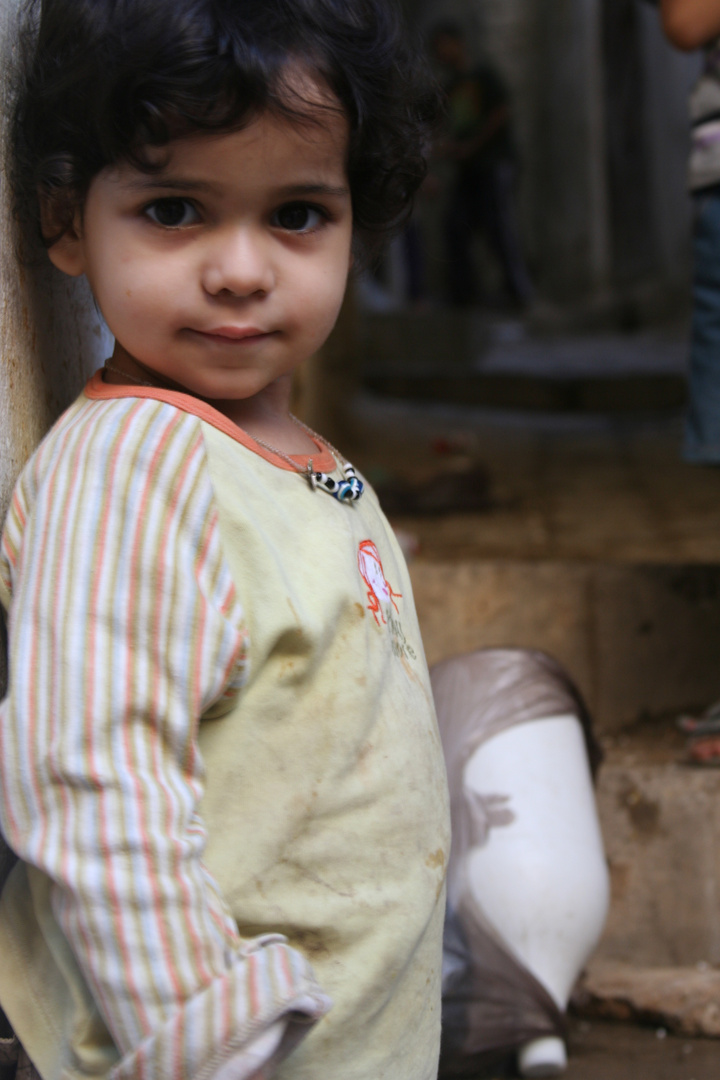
(220, 763)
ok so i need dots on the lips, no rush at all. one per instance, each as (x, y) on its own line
(234, 333)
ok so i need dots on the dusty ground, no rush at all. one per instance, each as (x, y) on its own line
(603, 1050)
(606, 1051)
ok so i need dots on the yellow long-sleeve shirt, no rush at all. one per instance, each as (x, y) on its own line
(219, 728)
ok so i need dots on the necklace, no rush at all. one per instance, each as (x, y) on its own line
(126, 375)
(348, 490)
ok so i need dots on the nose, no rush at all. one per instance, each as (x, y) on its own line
(238, 262)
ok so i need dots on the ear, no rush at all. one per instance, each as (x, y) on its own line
(68, 255)
(68, 252)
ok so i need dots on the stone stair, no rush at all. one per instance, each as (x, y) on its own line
(466, 358)
(599, 546)
(643, 643)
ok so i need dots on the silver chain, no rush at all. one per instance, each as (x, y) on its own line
(127, 375)
(307, 470)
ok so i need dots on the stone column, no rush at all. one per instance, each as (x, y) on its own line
(571, 214)
(51, 336)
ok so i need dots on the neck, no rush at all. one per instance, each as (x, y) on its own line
(265, 415)
(270, 406)
(122, 368)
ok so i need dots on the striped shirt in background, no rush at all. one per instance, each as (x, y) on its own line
(704, 168)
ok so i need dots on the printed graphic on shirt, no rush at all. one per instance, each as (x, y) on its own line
(381, 597)
(379, 589)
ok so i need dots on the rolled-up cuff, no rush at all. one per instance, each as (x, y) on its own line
(269, 984)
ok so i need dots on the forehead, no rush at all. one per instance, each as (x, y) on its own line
(309, 149)
(320, 141)
(311, 131)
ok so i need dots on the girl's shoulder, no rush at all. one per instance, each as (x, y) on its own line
(113, 433)
(106, 451)
(109, 460)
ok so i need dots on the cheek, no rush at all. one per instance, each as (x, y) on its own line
(132, 291)
(322, 295)
(122, 298)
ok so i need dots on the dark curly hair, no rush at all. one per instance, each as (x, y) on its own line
(105, 79)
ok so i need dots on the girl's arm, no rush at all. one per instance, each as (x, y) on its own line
(690, 24)
(124, 629)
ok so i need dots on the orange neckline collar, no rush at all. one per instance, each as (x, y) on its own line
(97, 389)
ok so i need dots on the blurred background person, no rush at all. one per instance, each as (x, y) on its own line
(691, 24)
(482, 192)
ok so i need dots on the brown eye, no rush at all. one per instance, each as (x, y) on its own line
(172, 213)
(298, 217)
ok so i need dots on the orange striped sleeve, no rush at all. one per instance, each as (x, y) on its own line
(124, 628)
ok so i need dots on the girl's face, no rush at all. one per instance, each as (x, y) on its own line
(225, 269)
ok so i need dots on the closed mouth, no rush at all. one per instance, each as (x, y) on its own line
(234, 334)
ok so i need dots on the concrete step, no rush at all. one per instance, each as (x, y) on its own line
(661, 825)
(684, 1000)
(642, 641)
(595, 394)
(469, 359)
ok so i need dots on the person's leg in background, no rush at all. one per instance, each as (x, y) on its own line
(459, 223)
(702, 430)
(502, 230)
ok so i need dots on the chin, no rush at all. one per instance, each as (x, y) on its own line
(229, 392)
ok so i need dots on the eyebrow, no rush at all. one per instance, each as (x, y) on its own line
(316, 189)
(179, 183)
(152, 183)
